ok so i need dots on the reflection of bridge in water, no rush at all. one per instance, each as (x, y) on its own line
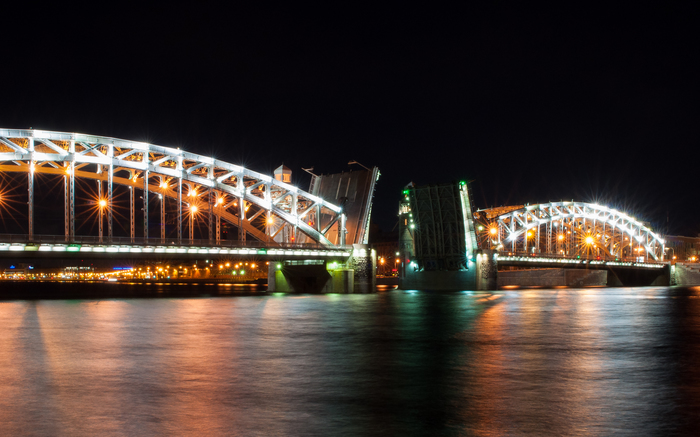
(111, 195)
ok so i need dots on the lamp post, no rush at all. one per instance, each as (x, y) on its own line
(193, 211)
(102, 203)
(355, 162)
(673, 259)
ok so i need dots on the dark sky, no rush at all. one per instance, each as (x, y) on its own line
(533, 104)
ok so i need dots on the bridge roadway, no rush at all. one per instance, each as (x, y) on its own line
(530, 261)
(49, 246)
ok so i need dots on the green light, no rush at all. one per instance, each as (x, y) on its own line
(279, 266)
(242, 272)
(405, 191)
(462, 183)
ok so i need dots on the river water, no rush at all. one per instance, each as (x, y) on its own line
(598, 361)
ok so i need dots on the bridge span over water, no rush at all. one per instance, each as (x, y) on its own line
(111, 194)
(446, 244)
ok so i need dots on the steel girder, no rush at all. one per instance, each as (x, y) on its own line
(572, 229)
(284, 205)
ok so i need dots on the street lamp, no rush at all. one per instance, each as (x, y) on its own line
(102, 203)
(355, 162)
(193, 211)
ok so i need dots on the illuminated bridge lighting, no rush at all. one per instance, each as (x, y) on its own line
(571, 230)
(260, 207)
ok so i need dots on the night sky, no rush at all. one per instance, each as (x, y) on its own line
(532, 104)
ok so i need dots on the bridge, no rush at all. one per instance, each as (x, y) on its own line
(106, 181)
(543, 244)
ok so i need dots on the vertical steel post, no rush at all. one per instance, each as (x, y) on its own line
(191, 214)
(220, 205)
(99, 206)
(30, 189)
(145, 206)
(110, 175)
(211, 205)
(66, 204)
(525, 234)
(162, 218)
(342, 229)
(295, 214)
(71, 187)
(179, 210)
(211, 217)
(241, 218)
(132, 215)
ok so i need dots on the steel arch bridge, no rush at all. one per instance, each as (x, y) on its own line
(204, 189)
(569, 230)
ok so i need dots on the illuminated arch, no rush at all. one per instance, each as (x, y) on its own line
(168, 171)
(572, 228)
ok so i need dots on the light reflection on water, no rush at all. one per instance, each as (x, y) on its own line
(603, 361)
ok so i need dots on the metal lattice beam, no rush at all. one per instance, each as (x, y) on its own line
(273, 204)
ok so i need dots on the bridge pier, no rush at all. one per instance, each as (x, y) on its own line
(486, 270)
(355, 275)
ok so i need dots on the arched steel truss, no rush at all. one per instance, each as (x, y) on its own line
(571, 229)
(259, 205)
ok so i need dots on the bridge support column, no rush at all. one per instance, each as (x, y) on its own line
(241, 217)
(132, 216)
(100, 209)
(487, 270)
(30, 202)
(179, 210)
(313, 277)
(110, 175)
(364, 265)
(162, 219)
(66, 206)
(145, 206)
(211, 217)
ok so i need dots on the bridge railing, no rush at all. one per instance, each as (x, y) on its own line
(581, 257)
(128, 241)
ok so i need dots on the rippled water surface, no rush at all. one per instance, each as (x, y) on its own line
(605, 361)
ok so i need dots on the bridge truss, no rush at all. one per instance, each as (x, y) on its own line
(569, 230)
(202, 191)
